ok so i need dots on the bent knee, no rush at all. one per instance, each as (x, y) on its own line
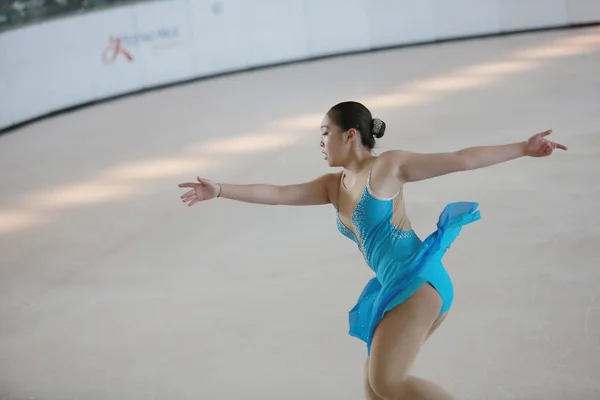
(388, 386)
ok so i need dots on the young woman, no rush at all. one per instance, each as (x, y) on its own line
(411, 292)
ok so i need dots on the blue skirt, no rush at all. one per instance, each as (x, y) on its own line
(423, 266)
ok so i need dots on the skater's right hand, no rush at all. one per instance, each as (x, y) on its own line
(203, 190)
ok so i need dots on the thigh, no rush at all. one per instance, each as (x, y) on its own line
(399, 336)
(441, 318)
(369, 393)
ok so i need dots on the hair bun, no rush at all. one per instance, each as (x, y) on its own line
(377, 127)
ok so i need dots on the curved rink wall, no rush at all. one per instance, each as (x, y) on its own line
(80, 59)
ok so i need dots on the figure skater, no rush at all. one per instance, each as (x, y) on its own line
(411, 292)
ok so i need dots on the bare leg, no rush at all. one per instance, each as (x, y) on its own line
(397, 341)
(436, 325)
(370, 394)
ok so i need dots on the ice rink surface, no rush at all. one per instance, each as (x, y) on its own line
(112, 288)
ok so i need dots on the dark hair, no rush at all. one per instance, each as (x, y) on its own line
(351, 114)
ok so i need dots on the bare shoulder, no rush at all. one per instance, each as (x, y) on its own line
(332, 184)
(392, 160)
(385, 178)
(394, 156)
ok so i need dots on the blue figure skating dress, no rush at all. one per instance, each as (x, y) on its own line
(400, 260)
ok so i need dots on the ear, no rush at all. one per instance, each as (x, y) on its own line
(352, 134)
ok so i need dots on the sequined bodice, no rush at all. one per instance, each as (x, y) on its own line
(382, 244)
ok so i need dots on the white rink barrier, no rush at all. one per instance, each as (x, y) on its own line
(65, 62)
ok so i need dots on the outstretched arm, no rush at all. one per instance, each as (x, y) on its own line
(415, 167)
(315, 192)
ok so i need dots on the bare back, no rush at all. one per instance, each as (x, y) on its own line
(380, 182)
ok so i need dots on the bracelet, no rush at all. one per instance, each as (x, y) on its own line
(220, 190)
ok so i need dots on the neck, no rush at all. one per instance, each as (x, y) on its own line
(357, 163)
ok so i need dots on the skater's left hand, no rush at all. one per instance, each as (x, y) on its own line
(538, 146)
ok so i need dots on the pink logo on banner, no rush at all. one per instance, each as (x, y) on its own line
(115, 47)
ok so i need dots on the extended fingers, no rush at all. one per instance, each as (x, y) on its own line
(188, 195)
(559, 146)
(554, 145)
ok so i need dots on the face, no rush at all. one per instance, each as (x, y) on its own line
(335, 143)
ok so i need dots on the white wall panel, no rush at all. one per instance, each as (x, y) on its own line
(29, 92)
(68, 61)
(13, 59)
(163, 35)
(12, 48)
(335, 26)
(465, 17)
(52, 68)
(276, 31)
(6, 110)
(219, 41)
(109, 70)
(583, 11)
(526, 14)
(399, 21)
